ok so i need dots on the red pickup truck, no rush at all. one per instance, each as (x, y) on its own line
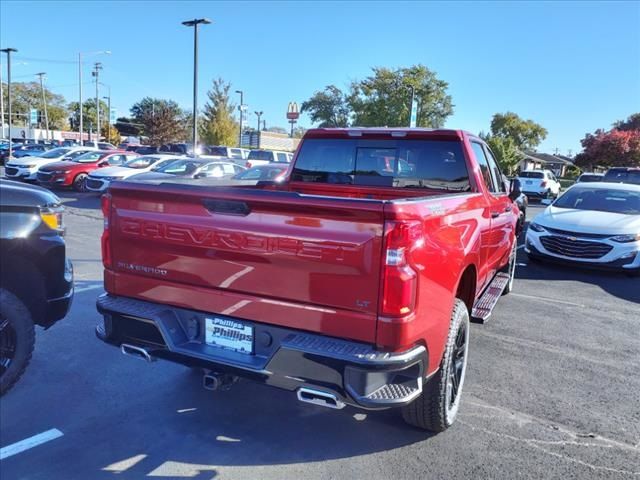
(350, 283)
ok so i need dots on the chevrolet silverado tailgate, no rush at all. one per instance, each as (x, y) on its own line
(283, 258)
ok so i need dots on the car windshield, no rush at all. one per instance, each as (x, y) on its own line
(531, 175)
(260, 155)
(262, 172)
(88, 157)
(140, 162)
(384, 163)
(590, 178)
(217, 151)
(626, 202)
(55, 153)
(178, 167)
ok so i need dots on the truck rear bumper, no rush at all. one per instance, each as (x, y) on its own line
(355, 373)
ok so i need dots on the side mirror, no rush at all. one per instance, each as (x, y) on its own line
(515, 189)
(546, 201)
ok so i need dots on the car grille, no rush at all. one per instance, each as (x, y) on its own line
(572, 247)
(92, 183)
(44, 176)
(576, 234)
(10, 171)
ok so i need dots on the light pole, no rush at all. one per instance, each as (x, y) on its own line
(44, 102)
(106, 52)
(194, 23)
(241, 107)
(413, 97)
(96, 73)
(259, 115)
(8, 52)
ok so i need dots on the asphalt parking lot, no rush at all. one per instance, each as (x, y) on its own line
(552, 391)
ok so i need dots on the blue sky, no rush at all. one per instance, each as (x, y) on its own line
(573, 67)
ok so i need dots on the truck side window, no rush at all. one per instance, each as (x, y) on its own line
(484, 166)
(497, 174)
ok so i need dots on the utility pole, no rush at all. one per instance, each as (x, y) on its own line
(194, 23)
(80, 92)
(241, 108)
(1, 104)
(44, 102)
(8, 52)
(96, 73)
(264, 124)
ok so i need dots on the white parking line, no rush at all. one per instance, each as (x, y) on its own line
(84, 289)
(27, 443)
(547, 299)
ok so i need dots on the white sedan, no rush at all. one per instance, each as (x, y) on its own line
(26, 168)
(594, 224)
(99, 180)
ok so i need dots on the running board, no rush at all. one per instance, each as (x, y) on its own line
(484, 305)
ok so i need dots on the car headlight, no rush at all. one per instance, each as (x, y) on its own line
(111, 179)
(26, 166)
(632, 237)
(536, 228)
(59, 172)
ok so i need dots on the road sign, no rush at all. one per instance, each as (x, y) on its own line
(112, 116)
(33, 116)
(292, 111)
(414, 113)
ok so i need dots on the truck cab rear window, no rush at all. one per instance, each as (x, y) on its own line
(385, 163)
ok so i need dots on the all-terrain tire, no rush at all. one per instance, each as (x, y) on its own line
(434, 409)
(15, 317)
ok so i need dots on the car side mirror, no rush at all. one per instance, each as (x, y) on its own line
(515, 189)
(546, 201)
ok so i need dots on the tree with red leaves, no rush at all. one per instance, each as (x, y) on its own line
(614, 148)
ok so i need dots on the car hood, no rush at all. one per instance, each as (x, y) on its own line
(64, 165)
(116, 172)
(24, 195)
(33, 161)
(588, 221)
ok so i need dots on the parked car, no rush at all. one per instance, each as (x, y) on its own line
(188, 167)
(177, 148)
(271, 172)
(237, 154)
(36, 278)
(100, 179)
(539, 184)
(261, 157)
(74, 173)
(142, 149)
(623, 175)
(351, 282)
(590, 177)
(591, 224)
(30, 150)
(101, 145)
(4, 150)
(26, 168)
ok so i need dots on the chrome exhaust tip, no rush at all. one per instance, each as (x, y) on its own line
(136, 352)
(318, 397)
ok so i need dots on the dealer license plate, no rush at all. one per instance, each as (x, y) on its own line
(229, 334)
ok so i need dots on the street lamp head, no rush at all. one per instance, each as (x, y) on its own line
(239, 91)
(8, 50)
(196, 21)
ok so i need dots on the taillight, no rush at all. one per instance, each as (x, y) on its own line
(400, 280)
(106, 245)
(543, 184)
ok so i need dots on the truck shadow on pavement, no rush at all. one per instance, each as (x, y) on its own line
(197, 431)
(70, 198)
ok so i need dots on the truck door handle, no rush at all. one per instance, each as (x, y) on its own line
(507, 209)
(495, 214)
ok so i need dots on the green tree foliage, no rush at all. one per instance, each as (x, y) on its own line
(163, 121)
(383, 99)
(28, 95)
(298, 132)
(88, 115)
(128, 127)
(328, 107)
(276, 129)
(631, 123)
(526, 134)
(505, 151)
(218, 127)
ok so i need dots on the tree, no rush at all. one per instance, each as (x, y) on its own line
(128, 127)
(218, 126)
(88, 115)
(110, 133)
(505, 151)
(328, 107)
(28, 95)
(298, 132)
(383, 99)
(526, 134)
(631, 123)
(615, 148)
(162, 120)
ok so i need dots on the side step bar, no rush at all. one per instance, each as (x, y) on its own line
(484, 305)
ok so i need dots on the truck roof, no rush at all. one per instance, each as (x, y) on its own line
(387, 131)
